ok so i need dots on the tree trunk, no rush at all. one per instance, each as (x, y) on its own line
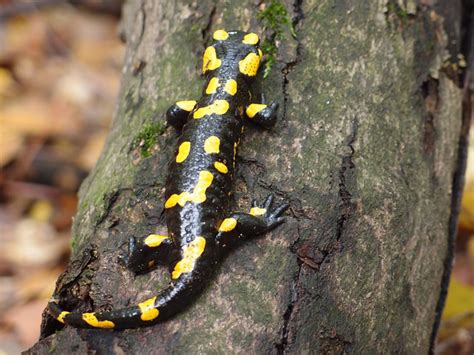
(367, 150)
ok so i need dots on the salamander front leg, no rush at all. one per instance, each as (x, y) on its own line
(145, 254)
(177, 115)
(241, 226)
(263, 115)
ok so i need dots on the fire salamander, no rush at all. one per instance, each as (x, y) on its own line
(201, 231)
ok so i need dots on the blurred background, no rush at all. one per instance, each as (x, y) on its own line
(60, 65)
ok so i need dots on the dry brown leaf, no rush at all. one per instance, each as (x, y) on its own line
(41, 211)
(25, 320)
(99, 53)
(9, 344)
(35, 244)
(36, 285)
(10, 144)
(460, 300)
(25, 36)
(91, 151)
(32, 116)
(6, 83)
(466, 216)
(7, 292)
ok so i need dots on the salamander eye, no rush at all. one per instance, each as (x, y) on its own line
(220, 35)
(251, 38)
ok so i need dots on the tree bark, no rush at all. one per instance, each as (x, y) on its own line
(368, 150)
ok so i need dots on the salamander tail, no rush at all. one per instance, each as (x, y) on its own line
(151, 311)
(145, 313)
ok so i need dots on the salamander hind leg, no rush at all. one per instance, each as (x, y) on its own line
(258, 221)
(145, 253)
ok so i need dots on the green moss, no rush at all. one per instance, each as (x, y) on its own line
(276, 19)
(73, 244)
(270, 49)
(148, 136)
(395, 10)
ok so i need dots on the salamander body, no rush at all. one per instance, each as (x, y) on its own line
(199, 183)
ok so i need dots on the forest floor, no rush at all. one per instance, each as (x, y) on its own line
(60, 69)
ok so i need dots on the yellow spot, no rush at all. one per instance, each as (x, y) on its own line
(249, 65)
(219, 107)
(197, 196)
(260, 53)
(253, 109)
(257, 211)
(220, 35)
(250, 38)
(187, 105)
(91, 319)
(230, 87)
(221, 167)
(180, 199)
(191, 252)
(154, 240)
(227, 225)
(183, 151)
(172, 201)
(210, 60)
(148, 310)
(211, 145)
(212, 86)
(205, 180)
(62, 315)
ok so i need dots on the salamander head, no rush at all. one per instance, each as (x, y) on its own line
(233, 51)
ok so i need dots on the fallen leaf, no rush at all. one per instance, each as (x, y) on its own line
(91, 151)
(41, 211)
(35, 244)
(466, 216)
(25, 320)
(460, 300)
(38, 284)
(10, 144)
(32, 116)
(6, 82)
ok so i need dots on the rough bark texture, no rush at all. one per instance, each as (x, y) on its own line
(367, 150)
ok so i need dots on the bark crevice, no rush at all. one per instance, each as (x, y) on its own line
(347, 168)
(289, 66)
(205, 32)
(283, 342)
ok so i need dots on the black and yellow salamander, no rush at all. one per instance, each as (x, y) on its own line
(200, 230)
